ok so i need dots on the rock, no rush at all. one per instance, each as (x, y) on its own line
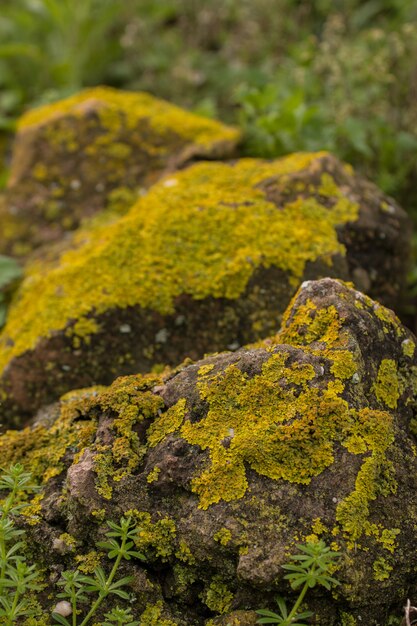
(207, 260)
(237, 618)
(93, 151)
(228, 463)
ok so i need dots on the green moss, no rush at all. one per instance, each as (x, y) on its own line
(184, 577)
(348, 620)
(382, 569)
(386, 387)
(41, 617)
(203, 232)
(217, 597)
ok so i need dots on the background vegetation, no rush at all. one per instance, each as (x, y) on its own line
(294, 74)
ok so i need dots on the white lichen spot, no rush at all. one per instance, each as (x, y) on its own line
(162, 336)
(125, 329)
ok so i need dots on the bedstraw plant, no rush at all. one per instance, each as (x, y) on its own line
(17, 578)
(308, 568)
(77, 587)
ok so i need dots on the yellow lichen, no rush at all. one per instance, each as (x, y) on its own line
(223, 536)
(153, 474)
(163, 117)
(318, 527)
(157, 537)
(382, 569)
(408, 347)
(152, 616)
(245, 411)
(218, 597)
(167, 422)
(386, 387)
(43, 448)
(205, 369)
(87, 563)
(68, 540)
(184, 554)
(284, 426)
(376, 475)
(129, 401)
(205, 236)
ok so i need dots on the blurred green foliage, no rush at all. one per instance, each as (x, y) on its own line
(49, 48)
(352, 95)
(295, 74)
(10, 273)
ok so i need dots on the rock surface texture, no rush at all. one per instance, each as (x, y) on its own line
(207, 260)
(228, 463)
(93, 151)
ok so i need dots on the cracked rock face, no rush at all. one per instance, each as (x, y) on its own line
(229, 462)
(207, 260)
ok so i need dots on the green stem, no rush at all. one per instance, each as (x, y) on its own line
(300, 598)
(74, 605)
(104, 593)
(3, 561)
(4, 514)
(13, 609)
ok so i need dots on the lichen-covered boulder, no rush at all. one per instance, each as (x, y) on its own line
(94, 151)
(207, 260)
(228, 463)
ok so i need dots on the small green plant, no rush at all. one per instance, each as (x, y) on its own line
(77, 586)
(10, 272)
(119, 617)
(309, 568)
(17, 578)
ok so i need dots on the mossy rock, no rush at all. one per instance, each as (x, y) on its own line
(236, 618)
(96, 150)
(207, 260)
(230, 462)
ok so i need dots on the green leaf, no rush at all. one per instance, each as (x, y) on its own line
(60, 619)
(10, 271)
